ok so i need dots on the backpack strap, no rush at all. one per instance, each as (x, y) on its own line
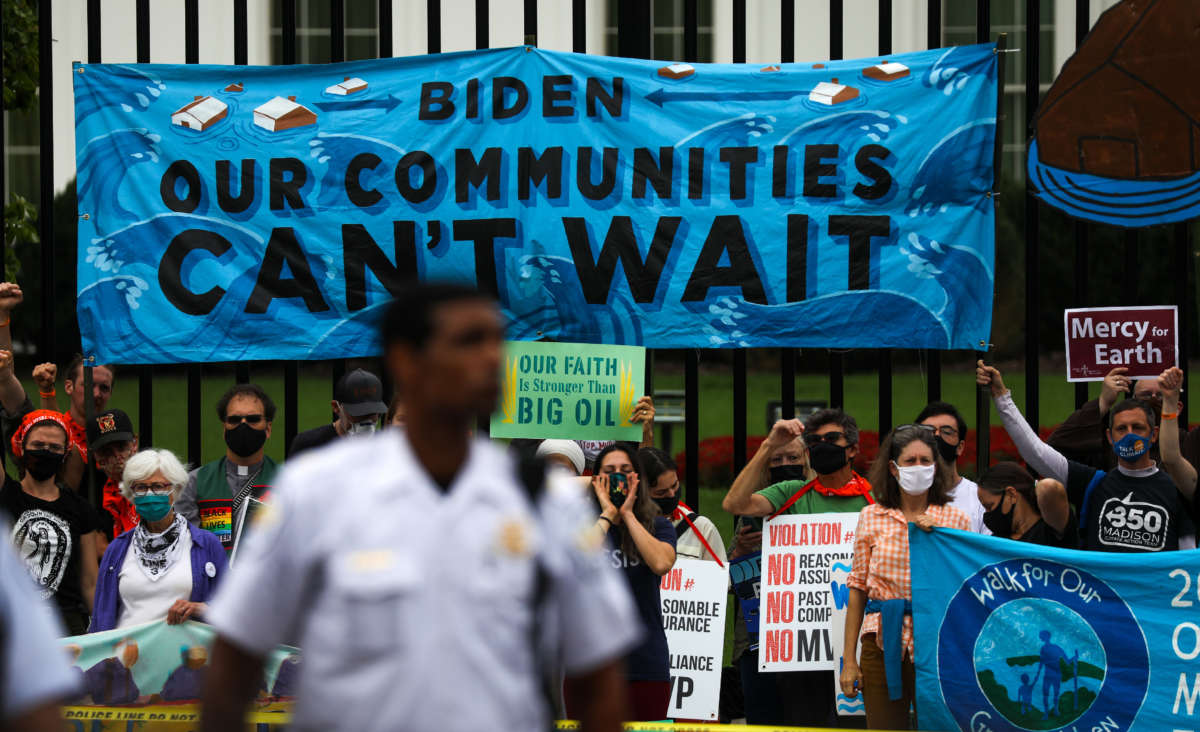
(686, 525)
(1098, 476)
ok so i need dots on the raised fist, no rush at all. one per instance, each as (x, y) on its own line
(45, 374)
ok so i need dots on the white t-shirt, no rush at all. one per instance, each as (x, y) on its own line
(966, 499)
(143, 601)
(413, 604)
(689, 545)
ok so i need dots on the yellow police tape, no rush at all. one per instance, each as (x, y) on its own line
(276, 713)
(102, 719)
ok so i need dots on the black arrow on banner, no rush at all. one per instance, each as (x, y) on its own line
(662, 96)
(387, 104)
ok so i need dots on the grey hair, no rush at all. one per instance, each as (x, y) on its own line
(817, 420)
(151, 461)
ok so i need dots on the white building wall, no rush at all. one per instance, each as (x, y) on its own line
(458, 34)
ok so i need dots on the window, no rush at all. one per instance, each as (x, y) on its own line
(21, 153)
(313, 23)
(666, 19)
(1008, 17)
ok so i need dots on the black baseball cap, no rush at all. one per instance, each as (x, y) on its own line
(360, 393)
(107, 427)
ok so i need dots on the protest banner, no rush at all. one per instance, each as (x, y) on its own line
(1144, 340)
(693, 597)
(153, 672)
(839, 573)
(1014, 636)
(233, 213)
(570, 391)
(796, 613)
(745, 576)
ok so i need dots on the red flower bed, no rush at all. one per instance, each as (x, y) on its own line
(716, 454)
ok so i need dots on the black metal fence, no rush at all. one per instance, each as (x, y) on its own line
(633, 39)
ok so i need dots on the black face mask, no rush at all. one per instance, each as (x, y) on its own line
(244, 440)
(668, 504)
(780, 473)
(948, 452)
(42, 464)
(999, 522)
(826, 457)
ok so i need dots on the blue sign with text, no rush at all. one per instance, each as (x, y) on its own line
(1013, 636)
(235, 212)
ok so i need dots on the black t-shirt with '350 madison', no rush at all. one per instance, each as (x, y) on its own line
(1127, 513)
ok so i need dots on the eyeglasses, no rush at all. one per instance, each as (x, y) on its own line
(55, 448)
(811, 438)
(152, 489)
(944, 431)
(233, 420)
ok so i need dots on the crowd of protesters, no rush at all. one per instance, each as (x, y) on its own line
(154, 546)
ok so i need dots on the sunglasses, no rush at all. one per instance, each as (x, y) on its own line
(233, 420)
(811, 438)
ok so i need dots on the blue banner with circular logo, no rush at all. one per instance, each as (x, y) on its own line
(1012, 636)
(237, 213)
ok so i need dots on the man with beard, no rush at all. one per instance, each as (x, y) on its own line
(216, 490)
(112, 442)
(950, 430)
(53, 528)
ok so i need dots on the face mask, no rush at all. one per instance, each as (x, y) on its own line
(915, 479)
(826, 457)
(948, 452)
(999, 522)
(1131, 447)
(362, 428)
(780, 473)
(152, 508)
(668, 504)
(42, 464)
(244, 440)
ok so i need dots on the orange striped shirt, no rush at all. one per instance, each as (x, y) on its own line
(881, 567)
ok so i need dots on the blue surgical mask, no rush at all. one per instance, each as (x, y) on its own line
(1131, 447)
(151, 507)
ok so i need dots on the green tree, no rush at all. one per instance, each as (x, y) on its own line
(20, 53)
(20, 228)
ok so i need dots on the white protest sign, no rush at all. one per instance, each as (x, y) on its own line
(797, 602)
(693, 610)
(838, 574)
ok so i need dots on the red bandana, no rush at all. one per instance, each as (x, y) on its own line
(33, 419)
(124, 515)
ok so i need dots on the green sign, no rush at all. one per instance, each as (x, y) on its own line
(570, 390)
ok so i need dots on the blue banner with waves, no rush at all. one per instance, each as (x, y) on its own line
(233, 212)
(1012, 636)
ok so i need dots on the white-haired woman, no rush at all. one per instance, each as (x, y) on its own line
(163, 568)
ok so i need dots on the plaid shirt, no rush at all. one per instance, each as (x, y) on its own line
(881, 567)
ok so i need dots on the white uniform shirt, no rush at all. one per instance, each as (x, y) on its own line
(413, 606)
(966, 499)
(143, 600)
(34, 668)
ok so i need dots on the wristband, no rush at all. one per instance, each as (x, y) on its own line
(47, 394)
(1169, 415)
(605, 518)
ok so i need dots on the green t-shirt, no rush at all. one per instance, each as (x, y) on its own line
(812, 501)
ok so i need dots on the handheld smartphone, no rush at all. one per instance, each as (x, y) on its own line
(754, 522)
(617, 489)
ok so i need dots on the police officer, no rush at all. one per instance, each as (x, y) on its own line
(430, 585)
